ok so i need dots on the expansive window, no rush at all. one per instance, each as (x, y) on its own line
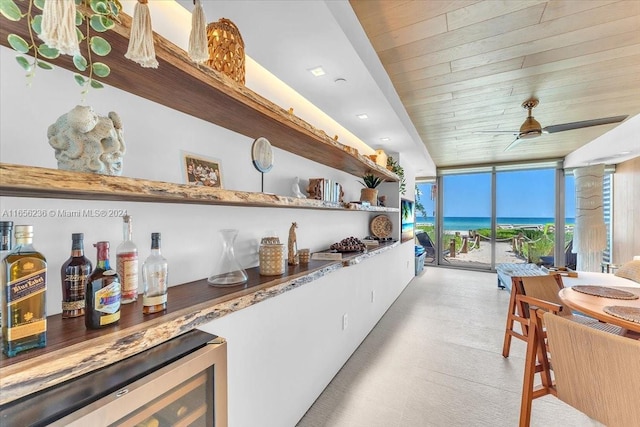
(478, 218)
(490, 215)
(466, 214)
(525, 211)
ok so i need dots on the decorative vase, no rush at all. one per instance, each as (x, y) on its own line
(369, 195)
(228, 271)
(226, 49)
(273, 257)
(87, 142)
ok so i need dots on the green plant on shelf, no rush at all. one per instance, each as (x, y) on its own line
(97, 15)
(371, 181)
(395, 167)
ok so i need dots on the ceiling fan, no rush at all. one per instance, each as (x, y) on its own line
(531, 128)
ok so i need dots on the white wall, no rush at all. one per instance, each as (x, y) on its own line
(278, 368)
(283, 351)
(155, 136)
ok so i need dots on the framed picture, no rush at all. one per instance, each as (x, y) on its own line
(407, 217)
(200, 170)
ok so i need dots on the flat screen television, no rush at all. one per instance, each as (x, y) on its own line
(407, 219)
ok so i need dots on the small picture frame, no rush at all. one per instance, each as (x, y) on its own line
(201, 170)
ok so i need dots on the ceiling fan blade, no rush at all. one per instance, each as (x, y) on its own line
(583, 124)
(512, 132)
(515, 142)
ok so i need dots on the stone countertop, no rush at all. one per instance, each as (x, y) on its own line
(73, 350)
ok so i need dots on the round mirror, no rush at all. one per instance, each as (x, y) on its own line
(262, 155)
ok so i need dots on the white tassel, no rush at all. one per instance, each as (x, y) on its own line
(59, 26)
(141, 48)
(198, 46)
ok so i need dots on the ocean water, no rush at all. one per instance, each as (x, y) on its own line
(474, 223)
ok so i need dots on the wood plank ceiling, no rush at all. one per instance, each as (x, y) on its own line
(465, 66)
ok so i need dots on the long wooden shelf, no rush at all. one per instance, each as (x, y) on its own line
(72, 350)
(201, 92)
(29, 181)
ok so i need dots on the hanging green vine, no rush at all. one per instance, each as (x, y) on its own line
(97, 15)
(398, 170)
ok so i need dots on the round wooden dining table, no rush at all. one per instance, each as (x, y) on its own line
(592, 305)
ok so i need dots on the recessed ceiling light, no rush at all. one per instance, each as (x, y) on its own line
(385, 139)
(362, 116)
(317, 71)
(340, 80)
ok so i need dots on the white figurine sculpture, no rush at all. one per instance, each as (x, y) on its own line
(86, 142)
(295, 188)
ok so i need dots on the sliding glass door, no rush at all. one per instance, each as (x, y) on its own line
(525, 211)
(466, 237)
(500, 214)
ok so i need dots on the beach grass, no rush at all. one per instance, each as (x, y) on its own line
(535, 242)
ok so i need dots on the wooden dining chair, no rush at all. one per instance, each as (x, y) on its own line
(536, 362)
(526, 290)
(594, 371)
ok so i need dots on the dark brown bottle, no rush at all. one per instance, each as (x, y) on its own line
(102, 292)
(74, 273)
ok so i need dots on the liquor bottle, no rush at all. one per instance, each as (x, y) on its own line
(127, 263)
(24, 308)
(102, 292)
(6, 243)
(73, 274)
(154, 278)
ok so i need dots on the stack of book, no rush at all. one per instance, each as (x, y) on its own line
(325, 189)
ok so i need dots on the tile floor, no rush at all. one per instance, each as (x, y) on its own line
(434, 359)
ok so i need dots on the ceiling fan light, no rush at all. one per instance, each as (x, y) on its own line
(530, 128)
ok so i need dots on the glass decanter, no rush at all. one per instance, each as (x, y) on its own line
(228, 271)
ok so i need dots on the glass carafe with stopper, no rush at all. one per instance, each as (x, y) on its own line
(228, 271)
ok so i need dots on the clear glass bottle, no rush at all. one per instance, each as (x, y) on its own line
(102, 292)
(6, 243)
(154, 278)
(127, 262)
(228, 271)
(24, 309)
(73, 274)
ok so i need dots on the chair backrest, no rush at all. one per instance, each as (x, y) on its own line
(595, 372)
(544, 288)
(570, 258)
(424, 240)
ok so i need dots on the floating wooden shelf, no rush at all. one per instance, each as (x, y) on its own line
(29, 181)
(73, 350)
(201, 92)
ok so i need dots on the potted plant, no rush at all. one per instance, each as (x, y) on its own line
(370, 192)
(395, 167)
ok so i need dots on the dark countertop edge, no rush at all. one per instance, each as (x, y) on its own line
(32, 375)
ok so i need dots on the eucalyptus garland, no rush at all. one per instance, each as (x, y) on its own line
(97, 15)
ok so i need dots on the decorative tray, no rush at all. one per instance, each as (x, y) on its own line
(381, 226)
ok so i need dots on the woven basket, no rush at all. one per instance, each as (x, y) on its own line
(226, 49)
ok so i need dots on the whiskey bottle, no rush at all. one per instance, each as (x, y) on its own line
(24, 309)
(154, 278)
(73, 274)
(102, 292)
(6, 243)
(127, 262)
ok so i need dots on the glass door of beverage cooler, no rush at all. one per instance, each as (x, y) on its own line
(182, 382)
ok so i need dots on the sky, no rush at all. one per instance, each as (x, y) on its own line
(519, 194)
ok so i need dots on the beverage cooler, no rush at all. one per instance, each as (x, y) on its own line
(182, 382)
